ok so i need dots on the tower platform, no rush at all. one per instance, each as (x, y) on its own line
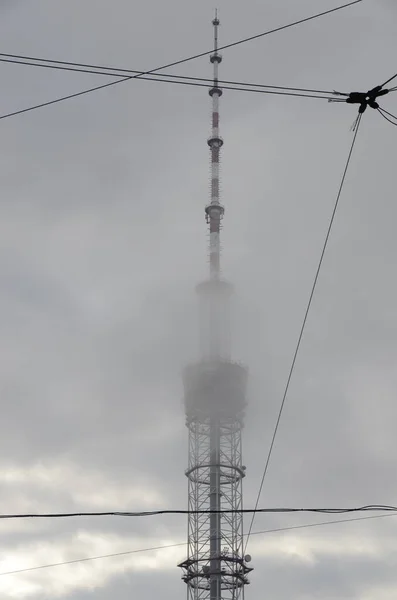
(215, 388)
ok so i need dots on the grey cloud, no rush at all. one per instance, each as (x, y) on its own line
(102, 240)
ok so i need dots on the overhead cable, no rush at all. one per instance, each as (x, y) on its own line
(184, 60)
(99, 87)
(389, 80)
(309, 304)
(116, 72)
(384, 112)
(388, 113)
(178, 544)
(232, 44)
(43, 104)
(152, 513)
(260, 35)
(365, 99)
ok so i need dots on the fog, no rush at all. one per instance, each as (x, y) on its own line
(103, 240)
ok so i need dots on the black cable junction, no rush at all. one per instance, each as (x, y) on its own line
(369, 99)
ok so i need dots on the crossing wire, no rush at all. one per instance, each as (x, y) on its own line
(259, 35)
(178, 544)
(384, 112)
(309, 304)
(184, 60)
(389, 80)
(237, 89)
(152, 513)
(232, 44)
(115, 72)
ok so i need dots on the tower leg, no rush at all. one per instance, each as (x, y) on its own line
(215, 518)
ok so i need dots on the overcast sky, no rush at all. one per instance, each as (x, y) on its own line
(102, 240)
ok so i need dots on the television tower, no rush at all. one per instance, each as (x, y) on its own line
(215, 387)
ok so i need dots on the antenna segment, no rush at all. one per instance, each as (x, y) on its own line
(215, 390)
(214, 210)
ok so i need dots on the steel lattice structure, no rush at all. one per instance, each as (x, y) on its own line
(215, 387)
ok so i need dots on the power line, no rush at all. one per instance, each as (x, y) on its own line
(304, 324)
(259, 35)
(194, 81)
(389, 80)
(63, 66)
(152, 513)
(238, 89)
(382, 112)
(178, 544)
(179, 62)
(43, 104)
(116, 72)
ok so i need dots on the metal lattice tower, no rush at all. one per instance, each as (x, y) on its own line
(215, 401)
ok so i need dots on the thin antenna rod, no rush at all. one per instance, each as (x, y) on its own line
(215, 386)
(214, 211)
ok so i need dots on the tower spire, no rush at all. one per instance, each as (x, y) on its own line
(214, 210)
(216, 568)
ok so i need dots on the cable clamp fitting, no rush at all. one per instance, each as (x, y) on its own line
(365, 99)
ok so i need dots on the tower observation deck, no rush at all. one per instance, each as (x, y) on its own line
(215, 390)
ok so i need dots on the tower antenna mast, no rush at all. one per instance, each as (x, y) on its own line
(215, 389)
